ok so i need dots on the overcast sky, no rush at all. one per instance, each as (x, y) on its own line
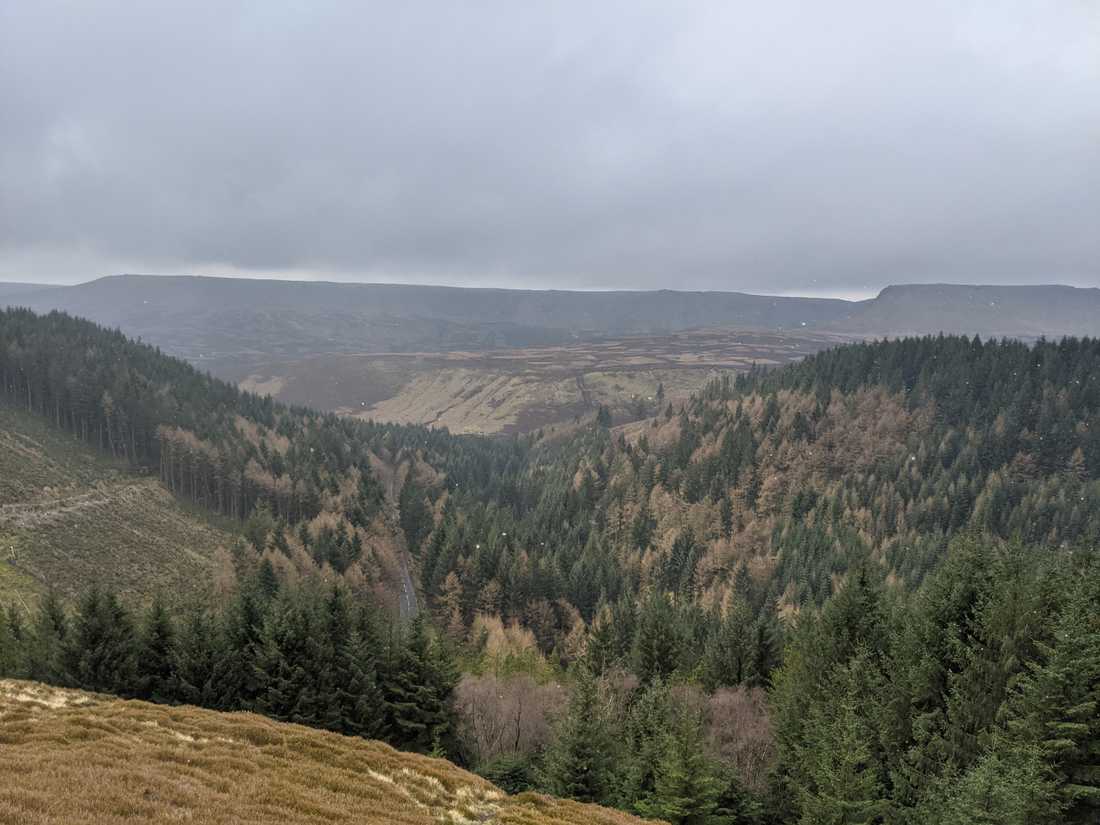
(779, 147)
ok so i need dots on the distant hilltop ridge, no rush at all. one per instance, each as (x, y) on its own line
(193, 316)
(990, 311)
(572, 309)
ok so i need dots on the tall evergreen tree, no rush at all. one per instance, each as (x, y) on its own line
(156, 656)
(200, 646)
(686, 787)
(45, 642)
(99, 653)
(418, 687)
(1056, 709)
(658, 643)
(578, 763)
(841, 777)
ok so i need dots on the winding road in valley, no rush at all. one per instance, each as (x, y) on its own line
(407, 604)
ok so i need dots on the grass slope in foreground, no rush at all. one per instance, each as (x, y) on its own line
(69, 757)
(70, 516)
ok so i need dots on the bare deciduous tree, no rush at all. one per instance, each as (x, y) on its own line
(505, 716)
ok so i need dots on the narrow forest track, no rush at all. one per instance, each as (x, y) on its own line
(406, 602)
(48, 511)
(407, 605)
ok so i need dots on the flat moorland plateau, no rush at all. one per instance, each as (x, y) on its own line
(519, 389)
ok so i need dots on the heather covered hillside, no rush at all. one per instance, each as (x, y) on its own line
(70, 757)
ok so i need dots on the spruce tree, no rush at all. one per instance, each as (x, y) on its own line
(99, 654)
(359, 693)
(686, 788)
(841, 778)
(199, 647)
(645, 735)
(285, 672)
(577, 765)
(235, 680)
(156, 657)
(45, 642)
(1056, 709)
(658, 643)
(727, 660)
(418, 686)
(10, 654)
(1007, 786)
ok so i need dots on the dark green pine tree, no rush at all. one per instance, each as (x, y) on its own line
(415, 516)
(726, 516)
(659, 641)
(359, 693)
(99, 653)
(763, 653)
(45, 641)
(819, 672)
(646, 735)
(1057, 708)
(686, 787)
(10, 645)
(1007, 786)
(285, 664)
(736, 805)
(931, 649)
(1005, 639)
(841, 776)
(600, 653)
(156, 658)
(417, 694)
(348, 696)
(199, 647)
(267, 580)
(577, 764)
(235, 680)
(727, 660)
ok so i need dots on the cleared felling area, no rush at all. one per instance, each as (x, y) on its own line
(70, 516)
(73, 757)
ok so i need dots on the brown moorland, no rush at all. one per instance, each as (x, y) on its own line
(517, 390)
(70, 757)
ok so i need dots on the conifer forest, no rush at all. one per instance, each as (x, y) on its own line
(860, 588)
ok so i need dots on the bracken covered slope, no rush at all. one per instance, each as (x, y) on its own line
(73, 757)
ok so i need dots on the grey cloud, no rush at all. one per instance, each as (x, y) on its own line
(778, 147)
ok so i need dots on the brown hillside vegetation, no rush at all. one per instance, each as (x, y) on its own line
(519, 389)
(73, 757)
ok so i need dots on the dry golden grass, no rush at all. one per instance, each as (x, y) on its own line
(73, 757)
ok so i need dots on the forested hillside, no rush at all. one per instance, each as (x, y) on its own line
(322, 478)
(849, 590)
(767, 487)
